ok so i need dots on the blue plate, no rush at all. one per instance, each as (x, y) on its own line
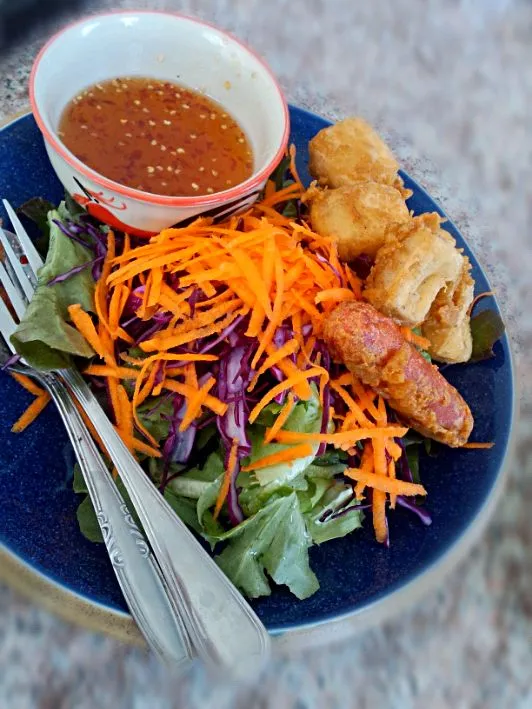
(38, 508)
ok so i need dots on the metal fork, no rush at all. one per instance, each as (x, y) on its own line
(223, 628)
(137, 571)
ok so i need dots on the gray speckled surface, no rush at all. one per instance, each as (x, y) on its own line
(450, 83)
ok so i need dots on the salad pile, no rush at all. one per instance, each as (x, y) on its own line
(203, 345)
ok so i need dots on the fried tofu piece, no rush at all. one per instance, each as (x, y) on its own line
(356, 215)
(418, 260)
(447, 326)
(351, 151)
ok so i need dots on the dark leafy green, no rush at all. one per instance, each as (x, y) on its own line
(37, 209)
(486, 328)
(88, 522)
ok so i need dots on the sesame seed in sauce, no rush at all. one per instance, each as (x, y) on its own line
(220, 140)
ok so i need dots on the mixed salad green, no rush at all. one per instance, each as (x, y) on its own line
(273, 514)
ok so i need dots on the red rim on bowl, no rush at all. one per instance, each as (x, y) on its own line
(239, 190)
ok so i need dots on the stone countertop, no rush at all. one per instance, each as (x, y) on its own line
(449, 83)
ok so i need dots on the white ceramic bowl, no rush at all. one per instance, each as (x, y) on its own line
(167, 47)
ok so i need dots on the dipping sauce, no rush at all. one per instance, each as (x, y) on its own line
(156, 136)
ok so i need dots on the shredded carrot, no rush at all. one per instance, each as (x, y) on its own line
(283, 456)
(336, 294)
(380, 525)
(229, 472)
(31, 413)
(281, 419)
(217, 406)
(345, 438)
(28, 384)
(367, 465)
(279, 388)
(84, 325)
(391, 474)
(478, 446)
(354, 408)
(289, 348)
(416, 340)
(195, 403)
(293, 168)
(103, 370)
(384, 483)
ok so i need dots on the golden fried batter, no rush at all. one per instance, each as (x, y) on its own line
(357, 215)
(418, 260)
(372, 347)
(447, 325)
(351, 151)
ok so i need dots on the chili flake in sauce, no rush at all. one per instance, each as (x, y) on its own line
(156, 136)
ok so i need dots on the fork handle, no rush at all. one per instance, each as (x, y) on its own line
(223, 628)
(137, 571)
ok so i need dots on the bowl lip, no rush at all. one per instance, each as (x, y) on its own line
(240, 190)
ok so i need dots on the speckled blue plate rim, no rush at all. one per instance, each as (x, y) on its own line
(429, 572)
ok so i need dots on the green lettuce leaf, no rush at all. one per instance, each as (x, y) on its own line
(305, 418)
(275, 542)
(155, 415)
(184, 508)
(44, 336)
(331, 499)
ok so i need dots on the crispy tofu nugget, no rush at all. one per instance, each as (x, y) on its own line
(372, 347)
(417, 261)
(351, 151)
(447, 326)
(357, 215)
